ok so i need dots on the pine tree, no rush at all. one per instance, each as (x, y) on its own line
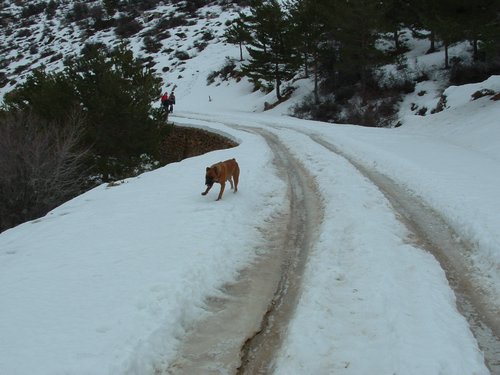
(443, 18)
(238, 33)
(396, 15)
(308, 28)
(480, 20)
(273, 58)
(352, 54)
(116, 92)
(48, 95)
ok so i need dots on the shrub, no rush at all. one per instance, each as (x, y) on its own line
(126, 27)
(368, 105)
(462, 74)
(422, 111)
(151, 45)
(207, 36)
(56, 57)
(344, 94)
(3, 79)
(443, 102)
(225, 73)
(23, 33)
(200, 46)
(41, 166)
(482, 93)
(33, 10)
(21, 68)
(52, 6)
(308, 109)
(170, 22)
(192, 6)
(141, 5)
(182, 55)
(79, 12)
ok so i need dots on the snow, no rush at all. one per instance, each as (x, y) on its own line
(111, 281)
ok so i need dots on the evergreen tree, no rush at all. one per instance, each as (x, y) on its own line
(480, 20)
(238, 33)
(490, 37)
(115, 93)
(273, 58)
(352, 54)
(48, 95)
(396, 15)
(444, 18)
(308, 26)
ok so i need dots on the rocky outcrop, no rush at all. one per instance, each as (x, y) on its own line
(185, 142)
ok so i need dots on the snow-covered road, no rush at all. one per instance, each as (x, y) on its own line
(117, 280)
(425, 230)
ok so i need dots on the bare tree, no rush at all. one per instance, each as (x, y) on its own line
(41, 165)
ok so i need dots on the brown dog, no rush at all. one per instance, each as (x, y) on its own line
(228, 170)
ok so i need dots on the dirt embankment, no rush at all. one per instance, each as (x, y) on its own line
(185, 142)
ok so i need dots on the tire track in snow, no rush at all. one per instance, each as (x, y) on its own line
(306, 215)
(430, 231)
(248, 320)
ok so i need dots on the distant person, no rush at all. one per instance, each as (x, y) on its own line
(171, 102)
(165, 101)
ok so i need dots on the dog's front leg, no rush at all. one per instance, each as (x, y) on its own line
(206, 191)
(222, 187)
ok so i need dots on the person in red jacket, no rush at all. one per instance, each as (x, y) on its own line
(165, 101)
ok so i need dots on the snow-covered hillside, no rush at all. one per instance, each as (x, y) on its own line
(43, 41)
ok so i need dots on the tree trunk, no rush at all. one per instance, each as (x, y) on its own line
(432, 38)
(306, 66)
(278, 90)
(278, 82)
(396, 41)
(241, 51)
(316, 94)
(446, 56)
(475, 53)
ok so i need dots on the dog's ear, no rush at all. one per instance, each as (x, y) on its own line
(208, 168)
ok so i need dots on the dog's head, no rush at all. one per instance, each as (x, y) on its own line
(211, 176)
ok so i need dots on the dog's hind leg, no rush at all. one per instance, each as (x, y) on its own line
(222, 187)
(236, 177)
